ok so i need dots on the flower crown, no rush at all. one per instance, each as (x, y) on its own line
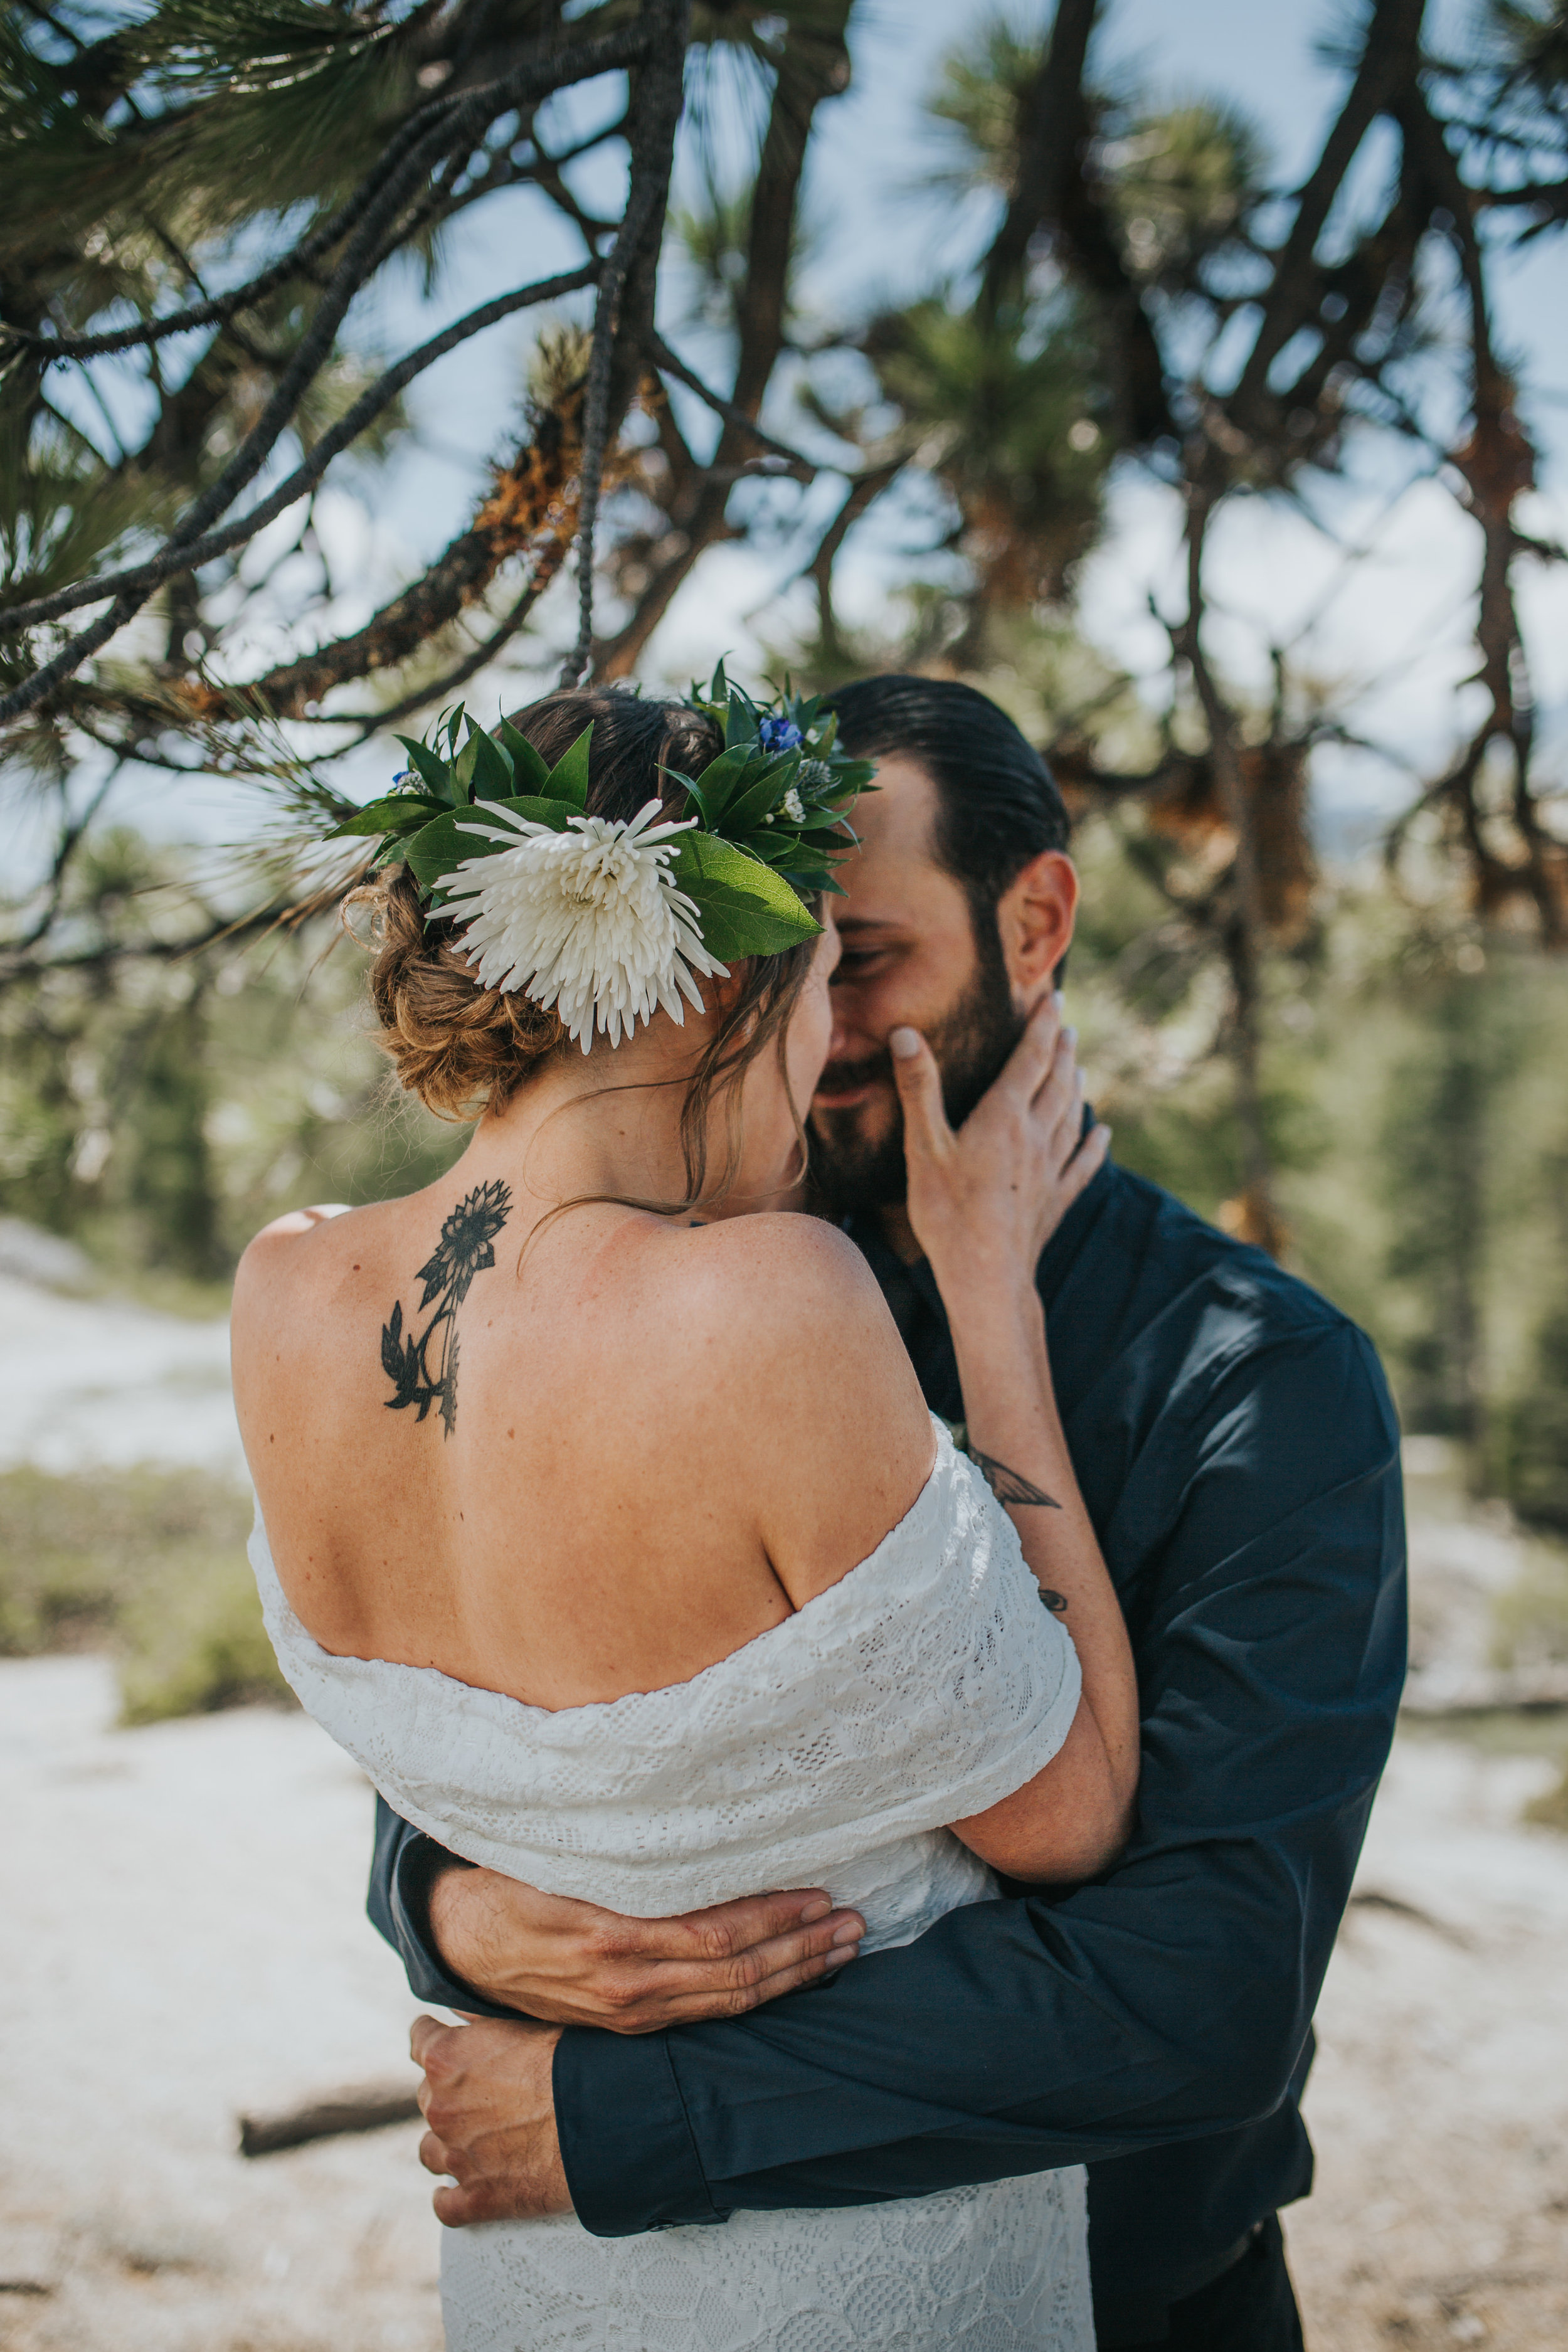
(605, 918)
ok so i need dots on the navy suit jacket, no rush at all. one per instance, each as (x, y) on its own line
(1238, 1452)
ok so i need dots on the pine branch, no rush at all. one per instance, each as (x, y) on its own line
(438, 690)
(1050, 154)
(354, 421)
(815, 65)
(219, 309)
(800, 466)
(533, 505)
(655, 113)
(1389, 62)
(557, 68)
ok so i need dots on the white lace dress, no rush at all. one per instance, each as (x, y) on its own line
(925, 1686)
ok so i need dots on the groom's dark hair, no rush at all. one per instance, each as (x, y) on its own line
(997, 804)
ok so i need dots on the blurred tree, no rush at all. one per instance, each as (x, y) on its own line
(163, 1098)
(169, 1184)
(1532, 1467)
(1160, 230)
(1436, 1141)
(190, 198)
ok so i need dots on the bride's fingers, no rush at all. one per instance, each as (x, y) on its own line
(700, 2007)
(1061, 1118)
(762, 1972)
(722, 1932)
(927, 1134)
(1087, 1161)
(644, 1997)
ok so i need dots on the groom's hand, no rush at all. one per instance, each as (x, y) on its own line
(488, 2102)
(572, 1963)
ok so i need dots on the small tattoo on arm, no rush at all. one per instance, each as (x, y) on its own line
(1006, 1484)
(1057, 1602)
(465, 1248)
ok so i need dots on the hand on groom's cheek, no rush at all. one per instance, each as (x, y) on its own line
(488, 2102)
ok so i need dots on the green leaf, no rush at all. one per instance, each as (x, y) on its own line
(568, 779)
(433, 768)
(528, 766)
(719, 782)
(775, 848)
(741, 724)
(744, 908)
(463, 768)
(492, 774)
(437, 849)
(402, 812)
(752, 804)
(695, 798)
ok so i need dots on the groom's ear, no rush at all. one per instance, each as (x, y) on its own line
(1035, 919)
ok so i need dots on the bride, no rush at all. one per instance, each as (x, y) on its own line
(600, 1516)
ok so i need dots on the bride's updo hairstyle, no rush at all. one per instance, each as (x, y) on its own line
(464, 1049)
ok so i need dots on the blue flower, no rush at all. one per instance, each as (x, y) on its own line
(403, 776)
(779, 735)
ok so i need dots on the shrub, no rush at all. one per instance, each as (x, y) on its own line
(148, 1564)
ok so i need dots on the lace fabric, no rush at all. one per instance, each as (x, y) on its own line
(928, 1683)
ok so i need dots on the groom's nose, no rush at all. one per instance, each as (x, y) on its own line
(849, 1040)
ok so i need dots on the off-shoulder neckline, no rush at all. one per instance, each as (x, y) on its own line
(818, 1614)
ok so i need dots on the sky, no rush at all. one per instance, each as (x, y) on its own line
(1397, 622)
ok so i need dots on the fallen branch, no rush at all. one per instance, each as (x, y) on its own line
(1372, 1898)
(1520, 1691)
(354, 2107)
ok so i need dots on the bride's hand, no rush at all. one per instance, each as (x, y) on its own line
(572, 1963)
(983, 1201)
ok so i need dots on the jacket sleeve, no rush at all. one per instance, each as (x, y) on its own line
(403, 1865)
(1168, 2000)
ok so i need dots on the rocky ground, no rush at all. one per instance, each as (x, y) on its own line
(183, 1939)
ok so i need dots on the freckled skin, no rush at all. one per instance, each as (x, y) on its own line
(590, 1561)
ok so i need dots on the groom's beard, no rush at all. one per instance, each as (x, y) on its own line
(857, 1154)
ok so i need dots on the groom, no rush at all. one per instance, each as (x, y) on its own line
(1238, 1455)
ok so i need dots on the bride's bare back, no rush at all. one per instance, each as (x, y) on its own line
(592, 1468)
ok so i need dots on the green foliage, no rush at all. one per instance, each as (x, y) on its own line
(1416, 1124)
(149, 1564)
(160, 1109)
(1182, 181)
(1533, 1439)
(980, 91)
(1530, 1464)
(1530, 1620)
(1015, 426)
(769, 807)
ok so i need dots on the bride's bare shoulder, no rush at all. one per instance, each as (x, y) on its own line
(300, 1259)
(771, 1275)
(818, 1399)
(776, 1352)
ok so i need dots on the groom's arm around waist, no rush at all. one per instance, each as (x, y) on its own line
(402, 1866)
(1171, 2000)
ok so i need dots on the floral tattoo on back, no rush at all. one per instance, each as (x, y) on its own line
(465, 1248)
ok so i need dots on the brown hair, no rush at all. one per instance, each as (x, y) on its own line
(464, 1049)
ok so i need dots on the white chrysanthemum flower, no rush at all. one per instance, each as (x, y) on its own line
(792, 805)
(588, 920)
